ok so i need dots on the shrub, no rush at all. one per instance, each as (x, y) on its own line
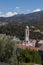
(8, 51)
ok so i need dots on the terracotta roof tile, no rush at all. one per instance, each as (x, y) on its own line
(28, 47)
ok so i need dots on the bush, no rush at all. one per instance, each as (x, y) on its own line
(28, 56)
(8, 51)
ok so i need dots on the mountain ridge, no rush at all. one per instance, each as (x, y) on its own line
(31, 17)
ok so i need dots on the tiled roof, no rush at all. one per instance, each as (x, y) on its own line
(28, 47)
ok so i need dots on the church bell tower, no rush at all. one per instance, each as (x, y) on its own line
(27, 34)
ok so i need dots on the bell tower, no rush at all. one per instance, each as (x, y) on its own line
(27, 41)
(27, 34)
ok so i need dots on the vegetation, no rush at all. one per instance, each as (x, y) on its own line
(26, 63)
(29, 56)
(8, 51)
(18, 30)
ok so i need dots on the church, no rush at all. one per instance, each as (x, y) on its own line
(27, 41)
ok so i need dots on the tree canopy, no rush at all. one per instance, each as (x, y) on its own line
(28, 56)
(8, 51)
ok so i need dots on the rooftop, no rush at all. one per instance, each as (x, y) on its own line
(27, 47)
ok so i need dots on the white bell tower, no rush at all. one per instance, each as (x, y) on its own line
(27, 41)
(27, 34)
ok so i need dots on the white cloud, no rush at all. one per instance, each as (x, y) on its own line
(36, 10)
(8, 14)
(17, 7)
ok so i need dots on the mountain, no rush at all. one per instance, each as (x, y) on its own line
(32, 17)
(16, 28)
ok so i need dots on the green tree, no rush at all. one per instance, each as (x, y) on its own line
(8, 51)
(27, 56)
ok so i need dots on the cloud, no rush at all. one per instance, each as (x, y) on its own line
(18, 11)
(17, 7)
(36, 10)
(8, 14)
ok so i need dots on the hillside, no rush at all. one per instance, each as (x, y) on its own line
(15, 25)
(32, 17)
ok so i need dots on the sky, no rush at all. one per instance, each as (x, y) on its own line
(13, 7)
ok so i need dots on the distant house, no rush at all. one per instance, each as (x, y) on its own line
(16, 39)
(40, 42)
(2, 35)
(37, 30)
(42, 32)
(32, 26)
(41, 48)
